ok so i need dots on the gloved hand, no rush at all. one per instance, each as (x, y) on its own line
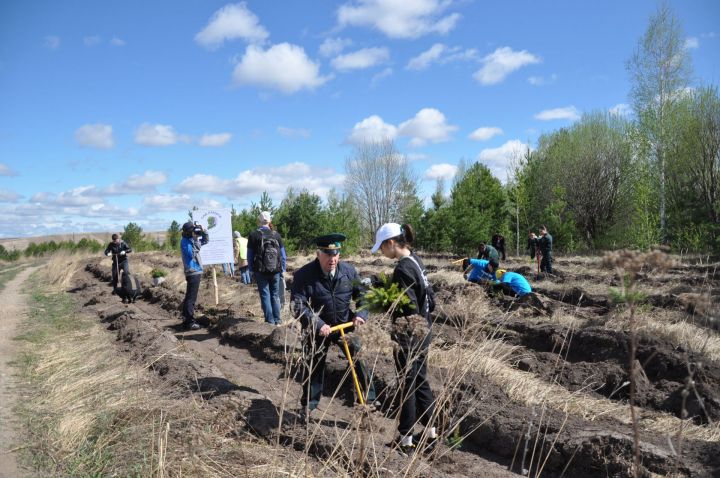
(109, 254)
(122, 253)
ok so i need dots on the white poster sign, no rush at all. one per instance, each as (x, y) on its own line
(219, 227)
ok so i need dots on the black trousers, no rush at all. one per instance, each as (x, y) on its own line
(506, 288)
(191, 292)
(118, 266)
(316, 350)
(416, 397)
(546, 263)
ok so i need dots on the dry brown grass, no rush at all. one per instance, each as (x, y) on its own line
(62, 266)
(93, 412)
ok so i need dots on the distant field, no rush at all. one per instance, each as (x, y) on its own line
(21, 243)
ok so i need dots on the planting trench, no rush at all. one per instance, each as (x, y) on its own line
(239, 357)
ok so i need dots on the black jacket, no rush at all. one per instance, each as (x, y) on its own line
(413, 280)
(498, 242)
(545, 245)
(491, 254)
(116, 249)
(319, 301)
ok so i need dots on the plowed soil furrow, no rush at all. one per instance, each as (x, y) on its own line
(248, 371)
(239, 361)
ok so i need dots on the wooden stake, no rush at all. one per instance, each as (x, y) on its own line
(215, 285)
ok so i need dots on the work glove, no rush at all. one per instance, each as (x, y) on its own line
(122, 253)
(109, 254)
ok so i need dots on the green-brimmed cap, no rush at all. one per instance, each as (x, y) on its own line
(330, 243)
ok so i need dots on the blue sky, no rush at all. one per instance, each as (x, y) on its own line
(112, 112)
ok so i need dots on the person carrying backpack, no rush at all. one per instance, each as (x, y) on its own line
(266, 262)
(412, 332)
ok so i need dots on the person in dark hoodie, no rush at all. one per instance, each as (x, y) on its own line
(321, 296)
(118, 250)
(412, 332)
(545, 245)
(194, 236)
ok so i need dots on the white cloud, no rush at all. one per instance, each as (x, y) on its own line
(399, 19)
(156, 135)
(424, 59)
(83, 201)
(214, 140)
(372, 129)
(137, 184)
(95, 136)
(361, 59)
(381, 75)
(458, 54)
(692, 43)
(333, 46)
(293, 132)
(621, 109)
(414, 156)
(284, 67)
(541, 80)
(708, 35)
(485, 133)
(92, 40)
(231, 22)
(273, 180)
(167, 202)
(499, 159)
(428, 125)
(567, 113)
(115, 41)
(500, 63)
(442, 54)
(8, 196)
(441, 171)
(5, 170)
(52, 42)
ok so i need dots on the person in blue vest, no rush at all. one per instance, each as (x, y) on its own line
(321, 297)
(512, 283)
(479, 270)
(194, 236)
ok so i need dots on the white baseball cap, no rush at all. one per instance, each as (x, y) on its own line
(264, 217)
(386, 231)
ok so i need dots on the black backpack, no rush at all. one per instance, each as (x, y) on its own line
(267, 256)
(429, 291)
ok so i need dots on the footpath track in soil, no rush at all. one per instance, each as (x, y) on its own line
(239, 363)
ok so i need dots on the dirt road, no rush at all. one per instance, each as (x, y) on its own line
(12, 313)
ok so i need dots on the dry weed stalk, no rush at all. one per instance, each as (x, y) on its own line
(628, 265)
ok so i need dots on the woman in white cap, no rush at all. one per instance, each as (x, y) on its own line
(412, 333)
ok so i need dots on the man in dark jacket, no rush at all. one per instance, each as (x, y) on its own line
(498, 242)
(490, 253)
(119, 250)
(321, 294)
(545, 247)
